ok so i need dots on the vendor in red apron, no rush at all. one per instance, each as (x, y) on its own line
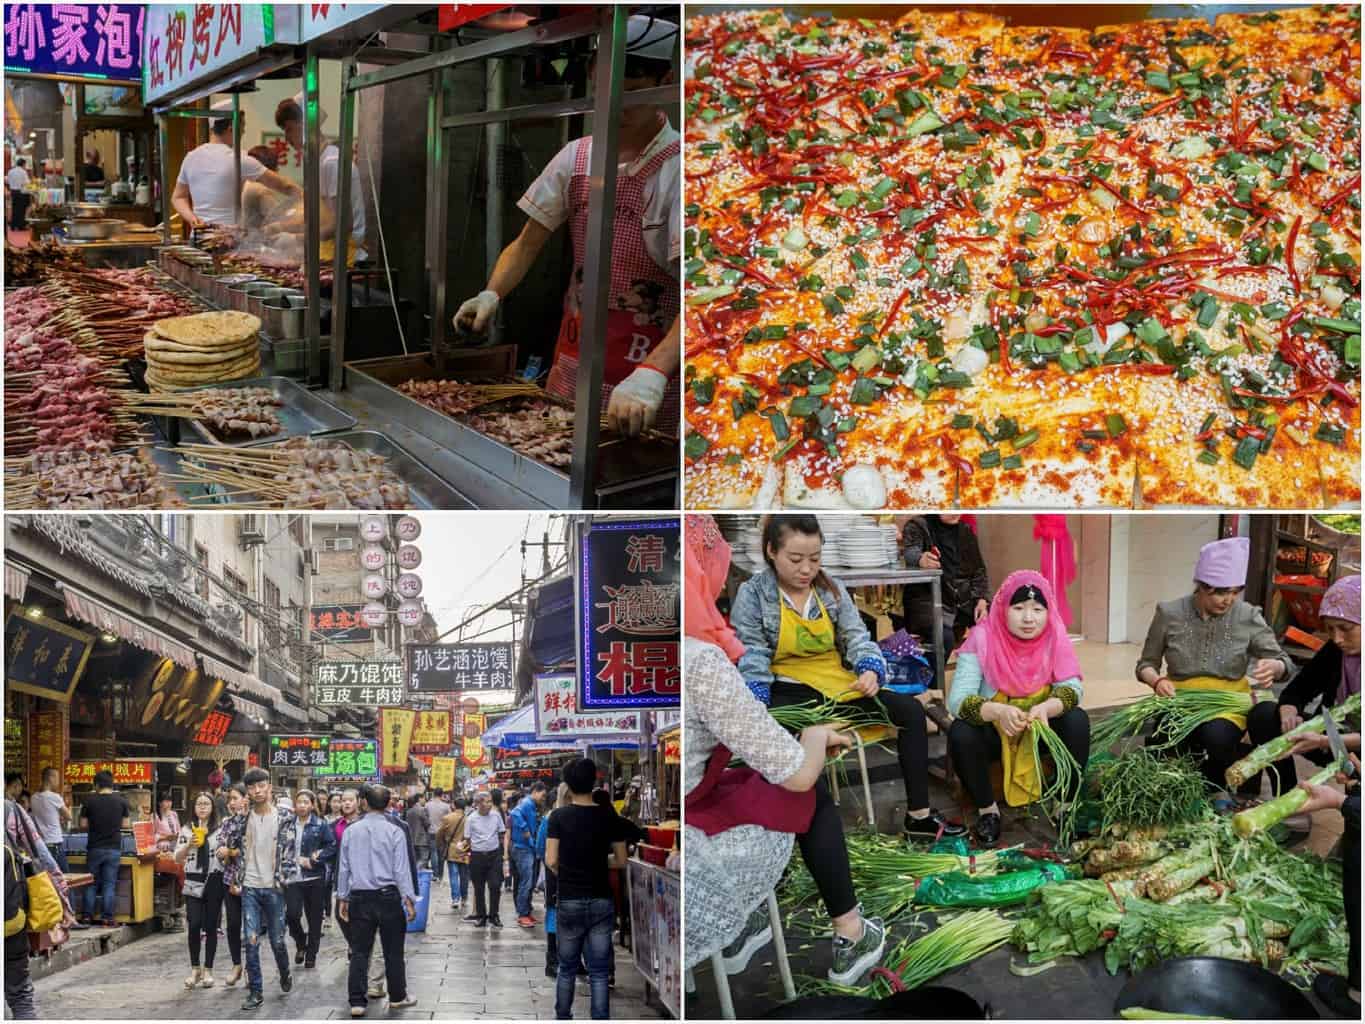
(640, 387)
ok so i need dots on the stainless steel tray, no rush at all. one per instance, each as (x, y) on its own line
(428, 491)
(302, 413)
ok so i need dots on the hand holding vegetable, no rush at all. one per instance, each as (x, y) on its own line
(1310, 741)
(1050, 708)
(867, 684)
(1011, 720)
(1321, 798)
(831, 738)
(1163, 687)
(1265, 671)
(1289, 718)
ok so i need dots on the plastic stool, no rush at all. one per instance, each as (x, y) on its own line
(784, 967)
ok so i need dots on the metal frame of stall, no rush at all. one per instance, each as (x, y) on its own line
(609, 22)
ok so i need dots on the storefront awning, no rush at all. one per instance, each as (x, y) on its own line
(288, 710)
(16, 581)
(249, 707)
(241, 682)
(88, 609)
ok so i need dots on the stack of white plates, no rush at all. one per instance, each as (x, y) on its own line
(746, 540)
(831, 554)
(865, 546)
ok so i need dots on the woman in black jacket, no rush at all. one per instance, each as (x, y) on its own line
(944, 542)
(305, 893)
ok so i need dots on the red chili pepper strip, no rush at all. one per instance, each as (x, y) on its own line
(1247, 430)
(963, 465)
(1350, 190)
(1243, 268)
(1151, 369)
(751, 272)
(1289, 253)
(1163, 106)
(1070, 54)
(1113, 191)
(895, 308)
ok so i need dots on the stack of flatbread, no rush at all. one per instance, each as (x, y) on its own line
(204, 348)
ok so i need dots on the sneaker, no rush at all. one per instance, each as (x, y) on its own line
(357, 1011)
(930, 826)
(207, 980)
(526, 921)
(286, 982)
(988, 829)
(310, 965)
(757, 933)
(1335, 993)
(479, 922)
(375, 992)
(402, 1004)
(496, 922)
(234, 976)
(473, 917)
(854, 959)
(298, 956)
(252, 1001)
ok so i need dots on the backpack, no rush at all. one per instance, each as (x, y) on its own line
(16, 893)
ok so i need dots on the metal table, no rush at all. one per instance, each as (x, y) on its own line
(655, 898)
(886, 575)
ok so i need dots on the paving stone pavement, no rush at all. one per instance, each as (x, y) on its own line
(455, 971)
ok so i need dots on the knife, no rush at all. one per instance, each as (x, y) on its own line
(1335, 741)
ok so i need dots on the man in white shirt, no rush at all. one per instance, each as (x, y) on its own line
(289, 119)
(51, 814)
(486, 833)
(205, 189)
(640, 377)
(17, 180)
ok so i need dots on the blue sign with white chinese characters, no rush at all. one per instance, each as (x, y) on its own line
(100, 41)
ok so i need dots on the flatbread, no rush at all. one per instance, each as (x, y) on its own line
(218, 329)
(160, 352)
(222, 372)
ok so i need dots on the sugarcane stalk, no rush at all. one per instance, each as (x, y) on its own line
(1277, 749)
(1162, 889)
(1272, 812)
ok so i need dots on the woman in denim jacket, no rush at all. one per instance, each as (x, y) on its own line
(804, 641)
(305, 891)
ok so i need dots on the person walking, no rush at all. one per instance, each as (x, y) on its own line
(305, 892)
(375, 894)
(419, 827)
(269, 855)
(562, 799)
(52, 815)
(452, 842)
(228, 851)
(18, 982)
(486, 833)
(524, 824)
(438, 809)
(195, 850)
(17, 180)
(104, 816)
(582, 843)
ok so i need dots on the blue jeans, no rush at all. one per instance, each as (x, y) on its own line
(459, 881)
(583, 929)
(103, 864)
(58, 851)
(525, 860)
(263, 911)
(438, 858)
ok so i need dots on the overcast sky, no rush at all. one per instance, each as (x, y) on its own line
(471, 559)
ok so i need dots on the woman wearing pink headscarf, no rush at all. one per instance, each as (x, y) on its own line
(1016, 667)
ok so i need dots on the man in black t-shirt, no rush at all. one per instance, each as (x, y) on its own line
(583, 841)
(104, 816)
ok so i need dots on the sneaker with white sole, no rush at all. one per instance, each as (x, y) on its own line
(854, 959)
(402, 1004)
(375, 992)
(757, 933)
(357, 1011)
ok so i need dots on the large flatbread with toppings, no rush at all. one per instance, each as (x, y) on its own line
(216, 329)
(947, 260)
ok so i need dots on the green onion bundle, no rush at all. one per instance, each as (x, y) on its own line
(1268, 753)
(795, 717)
(1178, 716)
(1145, 789)
(1272, 812)
(1066, 777)
(950, 945)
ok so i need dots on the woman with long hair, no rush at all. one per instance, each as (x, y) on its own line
(229, 853)
(306, 889)
(196, 848)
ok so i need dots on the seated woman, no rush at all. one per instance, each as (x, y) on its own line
(740, 823)
(1016, 667)
(1326, 681)
(804, 641)
(944, 542)
(1213, 640)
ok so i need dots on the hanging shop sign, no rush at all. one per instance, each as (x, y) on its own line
(214, 727)
(410, 612)
(319, 19)
(408, 529)
(437, 668)
(373, 529)
(299, 751)
(373, 586)
(351, 761)
(357, 683)
(372, 557)
(126, 773)
(46, 743)
(443, 773)
(409, 557)
(409, 585)
(44, 657)
(473, 754)
(99, 41)
(186, 43)
(628, 625)
(451, 16)
(395, 730)
(432, 733)
(558, 714)
(340, 623)
(374, 614)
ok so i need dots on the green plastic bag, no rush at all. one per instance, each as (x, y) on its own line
(952, 844)
(956, 889)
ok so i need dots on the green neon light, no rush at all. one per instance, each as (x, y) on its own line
(268, 21)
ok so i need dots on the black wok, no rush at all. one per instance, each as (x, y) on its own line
(1206, 986)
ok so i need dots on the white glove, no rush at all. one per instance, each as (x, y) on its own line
(474, 314)
(635, 401)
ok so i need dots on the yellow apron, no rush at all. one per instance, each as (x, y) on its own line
(807, 652)
(1020, 768)
(1242, 685)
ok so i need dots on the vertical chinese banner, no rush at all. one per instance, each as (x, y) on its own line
(472, 753)
(46, 745)
(443, 773)
(395, 731)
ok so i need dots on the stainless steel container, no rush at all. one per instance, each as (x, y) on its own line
(296, 298)
(87, 230)
(237, 295)
(281, 320)
(259, 294)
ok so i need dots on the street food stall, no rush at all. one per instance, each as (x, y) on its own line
(223, 370)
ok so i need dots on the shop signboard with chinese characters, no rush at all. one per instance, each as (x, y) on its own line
(126, 773)
(395, 730)
(443, 773)
(350, 760)
(522, 767)
(299, 751)
(347, 683)
(627, 614)
(46, 744)
(186, 43)
(214, 727)
(44, 657)
(558, 714)
(339, 623)
(473, 754)
(448, 668)
(431, 732)
(96, 41)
